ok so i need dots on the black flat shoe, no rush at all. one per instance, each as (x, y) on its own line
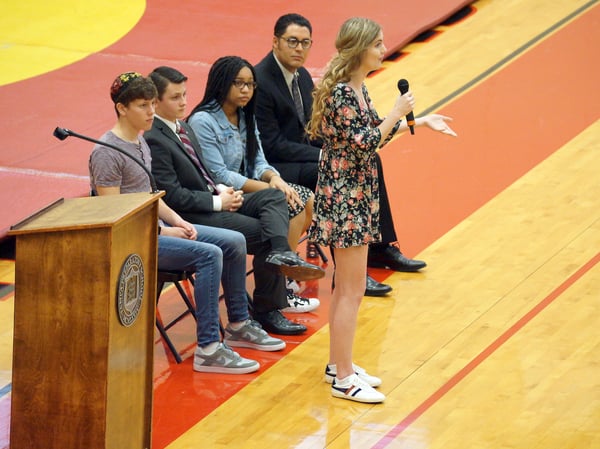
(275, 323)
(291, 265)
(375, 288)
(392, 258)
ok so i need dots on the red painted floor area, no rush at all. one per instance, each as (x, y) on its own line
(35, 168)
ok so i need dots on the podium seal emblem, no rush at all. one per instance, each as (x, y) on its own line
(130, 290)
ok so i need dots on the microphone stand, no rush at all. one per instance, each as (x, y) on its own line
(63, 133)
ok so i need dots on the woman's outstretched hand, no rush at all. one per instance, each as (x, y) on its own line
(438, 123)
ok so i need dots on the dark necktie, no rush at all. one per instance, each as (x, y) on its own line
(297, 98)
(187, 144)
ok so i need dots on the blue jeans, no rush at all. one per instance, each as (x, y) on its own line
(216, 255)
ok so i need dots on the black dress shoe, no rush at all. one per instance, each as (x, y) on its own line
(291, 265)
(275, 323)
(375, 288)
(392, 258)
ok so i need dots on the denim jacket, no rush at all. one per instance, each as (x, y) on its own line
(223, 148)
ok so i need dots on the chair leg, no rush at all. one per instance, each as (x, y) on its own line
(321, 253)
(250, 306)
(317, 247)
(168, 341)
(161, 328)
(191, 309)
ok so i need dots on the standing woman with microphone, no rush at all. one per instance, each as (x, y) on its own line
(346, 215)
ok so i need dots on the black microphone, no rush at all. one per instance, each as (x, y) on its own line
(410, 117)
(63, 133)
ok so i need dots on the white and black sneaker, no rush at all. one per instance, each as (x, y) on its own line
(292, 285)
(354, 388)
(330, 372)
(299, 304)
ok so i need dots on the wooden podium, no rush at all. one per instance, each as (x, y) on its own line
(85, 293)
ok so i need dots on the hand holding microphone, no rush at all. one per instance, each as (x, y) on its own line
(410, 118)
(435, 122)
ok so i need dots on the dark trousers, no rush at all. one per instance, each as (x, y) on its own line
(263, 215)
(301, 173)
(386, 222)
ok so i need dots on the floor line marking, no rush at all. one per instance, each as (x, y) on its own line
(483, 355)
(5, 390)
(504, 61)
(34, 172)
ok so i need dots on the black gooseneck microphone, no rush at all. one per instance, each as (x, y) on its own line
(63, 133)
(410, 117)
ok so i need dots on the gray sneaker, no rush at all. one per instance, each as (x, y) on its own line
(224, 360)
(252, 335)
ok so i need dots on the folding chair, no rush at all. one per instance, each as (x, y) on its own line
(175, 277)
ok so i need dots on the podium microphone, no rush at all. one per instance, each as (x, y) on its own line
(410, 117)
(63, 133)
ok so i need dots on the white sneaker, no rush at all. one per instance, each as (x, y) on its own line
(357, 390)
(373, 381)
(292, 285)
(298, 304)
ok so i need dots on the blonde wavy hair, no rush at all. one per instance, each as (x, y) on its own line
(354, 37)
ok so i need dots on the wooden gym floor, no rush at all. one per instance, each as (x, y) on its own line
(495, 344)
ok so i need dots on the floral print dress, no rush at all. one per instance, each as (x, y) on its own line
(346, 211)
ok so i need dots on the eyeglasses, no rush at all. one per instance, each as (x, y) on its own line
(240, 84)
(293, 42)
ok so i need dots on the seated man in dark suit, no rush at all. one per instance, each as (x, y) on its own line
(281, 120)
(262, 216)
